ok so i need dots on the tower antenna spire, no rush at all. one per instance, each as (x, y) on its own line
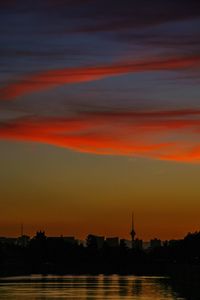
(132, 233)
(132, 221)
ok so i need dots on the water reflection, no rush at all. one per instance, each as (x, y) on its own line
(86, 287)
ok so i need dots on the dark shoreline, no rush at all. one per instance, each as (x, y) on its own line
(182, 272)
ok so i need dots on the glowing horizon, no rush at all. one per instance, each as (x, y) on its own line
(100, 115)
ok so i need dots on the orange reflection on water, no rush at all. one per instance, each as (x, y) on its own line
(86, 287)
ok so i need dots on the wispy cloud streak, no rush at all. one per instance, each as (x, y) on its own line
(54, 78)
(166, 135)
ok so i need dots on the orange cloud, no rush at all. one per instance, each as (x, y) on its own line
(53, 78)
(167, 135)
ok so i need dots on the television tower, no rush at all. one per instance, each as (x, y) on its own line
(132, 233)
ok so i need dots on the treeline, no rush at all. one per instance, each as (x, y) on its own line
(44, 255)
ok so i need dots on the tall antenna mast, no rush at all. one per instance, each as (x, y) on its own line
(132, 221)
(132, 233)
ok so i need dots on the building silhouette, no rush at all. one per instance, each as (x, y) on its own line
(95, 241)
(155, 243)
(70, 240)
(112, 242)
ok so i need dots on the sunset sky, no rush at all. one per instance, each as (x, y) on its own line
(99, 117)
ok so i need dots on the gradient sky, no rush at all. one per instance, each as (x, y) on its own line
(99, 116)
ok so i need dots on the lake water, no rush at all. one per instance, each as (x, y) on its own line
(86, 287)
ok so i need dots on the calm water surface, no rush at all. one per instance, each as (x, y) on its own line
(86, 287)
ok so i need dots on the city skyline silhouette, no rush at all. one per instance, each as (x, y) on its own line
(100, 149)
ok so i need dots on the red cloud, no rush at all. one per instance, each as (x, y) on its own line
(53, 78)
(168, 135)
